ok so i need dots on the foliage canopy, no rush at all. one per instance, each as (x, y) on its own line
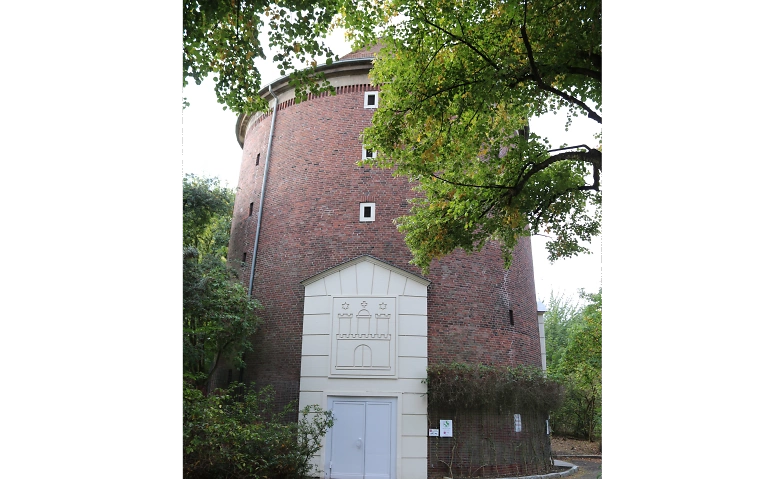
(222, 38)
(217, 315)
(461, 81)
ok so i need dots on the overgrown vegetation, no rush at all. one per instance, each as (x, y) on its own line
(461, 82)
(460, 386)
(574, 358)
(485, 403)
(217, 315)
(234, 433)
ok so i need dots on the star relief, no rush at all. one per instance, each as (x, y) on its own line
(364, 304)
(382, 305)
(345, 305)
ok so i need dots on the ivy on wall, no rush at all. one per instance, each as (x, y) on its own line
(460, 386)
(482, 402)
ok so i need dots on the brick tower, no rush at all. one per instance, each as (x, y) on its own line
(349, 323)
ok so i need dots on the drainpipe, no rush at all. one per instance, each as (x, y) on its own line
(263, 189)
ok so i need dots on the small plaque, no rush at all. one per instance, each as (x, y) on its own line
(446, 428)
(432, 432)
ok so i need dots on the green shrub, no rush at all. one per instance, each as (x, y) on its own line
(233, 433)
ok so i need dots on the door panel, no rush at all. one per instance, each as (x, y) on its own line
(348, 437)
(378, 452)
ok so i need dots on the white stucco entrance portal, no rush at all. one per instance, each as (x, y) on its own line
(364, 356)
(361, 444)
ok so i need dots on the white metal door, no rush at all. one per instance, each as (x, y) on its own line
(361, 444)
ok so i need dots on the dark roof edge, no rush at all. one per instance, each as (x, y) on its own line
(279, 83)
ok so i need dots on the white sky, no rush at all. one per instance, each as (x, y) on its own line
(210, 148)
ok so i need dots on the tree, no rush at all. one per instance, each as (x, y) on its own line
(218, 316)
(221, 38)
(561, 317)
(576, 349)
(461, 80)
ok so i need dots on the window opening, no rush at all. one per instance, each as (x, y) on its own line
(371, 99)
(244, 256)
(368, 153)
(257, 158)
(250, 211)
(367, 212)
(511, 317)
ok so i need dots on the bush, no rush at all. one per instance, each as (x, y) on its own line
(232, 433)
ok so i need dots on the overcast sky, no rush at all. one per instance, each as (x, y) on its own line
(210, 148)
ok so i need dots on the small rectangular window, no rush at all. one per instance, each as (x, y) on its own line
(367, 212)
(367, 153)
(257, 159)
(244, 257)
(511, 317)
(371, 99)
(250, 210)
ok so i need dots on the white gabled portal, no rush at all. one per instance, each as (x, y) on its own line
(364, 356)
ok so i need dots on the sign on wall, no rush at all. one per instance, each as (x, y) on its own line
(446, 428)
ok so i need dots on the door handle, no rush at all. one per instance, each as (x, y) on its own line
(359, 443)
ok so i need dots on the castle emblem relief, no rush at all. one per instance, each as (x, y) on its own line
(363, 336)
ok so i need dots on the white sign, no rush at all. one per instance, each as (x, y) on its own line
(446, 428)
(432, 432)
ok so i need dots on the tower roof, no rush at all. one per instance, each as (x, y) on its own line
(369, 52)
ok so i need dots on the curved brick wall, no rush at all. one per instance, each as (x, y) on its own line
(311, 223)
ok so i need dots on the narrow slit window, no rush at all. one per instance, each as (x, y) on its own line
(511, 317)
(257, 158)
(367, 212)
(371, 99)
(244, 256)
(250, 210)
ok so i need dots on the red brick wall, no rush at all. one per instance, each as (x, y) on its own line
(311, 223)
(489, 440)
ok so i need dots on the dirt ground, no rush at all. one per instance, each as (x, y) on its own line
(589, 468)
(564, 446)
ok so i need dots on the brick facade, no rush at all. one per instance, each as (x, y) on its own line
(311, 223)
